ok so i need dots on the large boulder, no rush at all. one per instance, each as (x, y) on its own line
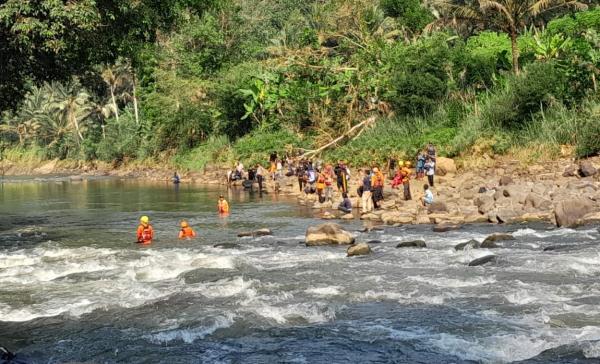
(358, 249)
(533, 200)
(394, 217)
(327, 234)
(444, 166)
(485, 203)
(587, 169)
(569, 213)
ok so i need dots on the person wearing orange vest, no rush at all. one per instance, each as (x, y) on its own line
(321, 186)
(405, 172)
(145, 233)
(223, 205)
(186, 231)
(377, 181)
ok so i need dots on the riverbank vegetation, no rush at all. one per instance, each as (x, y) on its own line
(195, 82)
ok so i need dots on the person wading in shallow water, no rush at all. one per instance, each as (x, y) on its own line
(145, 233)
(223, 205)
(186, 231)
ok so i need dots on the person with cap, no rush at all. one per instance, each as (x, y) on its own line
(405, 172)
(186, 231)
(377, 181)
(223, 205)
(145, 233)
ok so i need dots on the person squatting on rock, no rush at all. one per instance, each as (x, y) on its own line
(346, 204)
(427, 199)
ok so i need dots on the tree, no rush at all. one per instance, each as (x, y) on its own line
(508, 16)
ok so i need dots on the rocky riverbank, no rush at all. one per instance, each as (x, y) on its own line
(562, 192)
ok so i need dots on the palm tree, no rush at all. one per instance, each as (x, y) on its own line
(73, 107)
(111, 76)
(508, 16)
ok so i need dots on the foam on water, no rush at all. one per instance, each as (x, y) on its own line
(325, 291)
(453, 282)
(189, 335)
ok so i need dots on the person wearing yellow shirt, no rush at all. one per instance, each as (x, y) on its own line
(223, 205)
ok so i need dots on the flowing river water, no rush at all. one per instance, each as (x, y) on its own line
(74, 286)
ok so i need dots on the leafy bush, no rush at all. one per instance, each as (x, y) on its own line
(420, 76)
(525, 95)
(410, 13)
(215, 149)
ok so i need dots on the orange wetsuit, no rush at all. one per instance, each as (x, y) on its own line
(187, 233)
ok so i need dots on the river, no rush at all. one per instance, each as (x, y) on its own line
(74, 286)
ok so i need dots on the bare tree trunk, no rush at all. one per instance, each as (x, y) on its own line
(515, 51)
(360, 126)
(135, 103)
(114, 101)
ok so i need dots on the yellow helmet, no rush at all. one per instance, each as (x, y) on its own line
(184, 224)
(400, 163)
(144, 220)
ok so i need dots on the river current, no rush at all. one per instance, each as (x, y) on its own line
(75, 288)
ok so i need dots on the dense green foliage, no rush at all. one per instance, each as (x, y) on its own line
(195, 82)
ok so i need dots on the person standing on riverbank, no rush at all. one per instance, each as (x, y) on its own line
(145, 233)
(430, 170)
(329, 182)
(342, 173)
(405, 172)
(377, 182)
(421, 158)
(367, 197)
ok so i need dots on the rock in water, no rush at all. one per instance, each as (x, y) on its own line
(482, 260)
(347, 217)
(445, 228)
(473, 244)
(374, 242)
(328, 234)
(412, 244)
(569, 213)
(358, 249)
(255, 233)
(499, 237)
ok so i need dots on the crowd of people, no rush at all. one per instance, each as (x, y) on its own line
(323, 179)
